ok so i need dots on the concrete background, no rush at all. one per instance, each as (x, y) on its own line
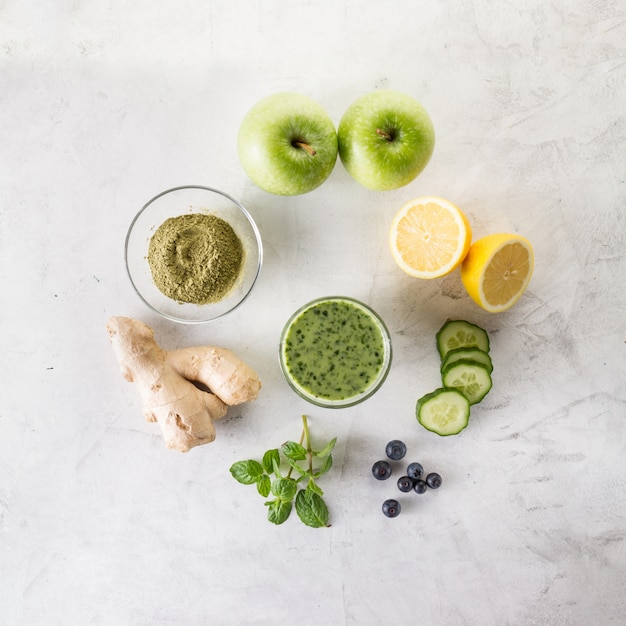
(104, 105)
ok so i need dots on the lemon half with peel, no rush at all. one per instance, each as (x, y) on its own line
(429, 237)
(497, 270)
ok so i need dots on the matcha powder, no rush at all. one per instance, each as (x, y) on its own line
(195, 258)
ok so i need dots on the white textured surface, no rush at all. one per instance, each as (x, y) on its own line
(104, 104)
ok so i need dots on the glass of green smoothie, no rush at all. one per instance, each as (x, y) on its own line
(335, 352)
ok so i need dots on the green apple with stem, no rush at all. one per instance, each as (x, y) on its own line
(386, 138)
(287, 144)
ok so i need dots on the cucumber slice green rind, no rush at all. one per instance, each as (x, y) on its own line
(444, 411)
(470, 378)
(461, 334)
(473, 354)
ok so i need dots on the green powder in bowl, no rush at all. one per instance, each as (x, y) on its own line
(195, 258)
(193, 254)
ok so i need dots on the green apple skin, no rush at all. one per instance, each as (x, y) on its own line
(383, 163)
(267, 147)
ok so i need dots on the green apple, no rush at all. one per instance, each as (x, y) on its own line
(287, 144)
(386, 138)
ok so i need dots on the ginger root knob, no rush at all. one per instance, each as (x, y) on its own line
(183, 390)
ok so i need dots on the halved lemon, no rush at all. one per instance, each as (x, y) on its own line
(429, 237)
(497, 270)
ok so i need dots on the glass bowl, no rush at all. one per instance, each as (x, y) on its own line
(335, 352)
(181, 201)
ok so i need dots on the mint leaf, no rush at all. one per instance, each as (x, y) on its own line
(327, 465)
(246, 472)
(263, 485)
(278, 511)
(311, 509)
(284, 489)
(327, 449)
(276, 464)
(293, 450)
(295, 466)
(269, 458)
(312, 486)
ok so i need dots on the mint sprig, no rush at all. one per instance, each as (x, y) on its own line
(298, 485)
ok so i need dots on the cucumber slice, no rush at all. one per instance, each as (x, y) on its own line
(461, 334)
(472, 354)
(443, 411)
(470, 378)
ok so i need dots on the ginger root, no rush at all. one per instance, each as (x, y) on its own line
(183, 390)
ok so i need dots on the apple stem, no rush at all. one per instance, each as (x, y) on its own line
(304, 146)
(384, 134)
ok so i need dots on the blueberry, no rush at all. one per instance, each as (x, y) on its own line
(391, 508)
(420, 486)
(381, 470)
(405, 484)
(414, 470)
(433, 480)
(395, 450)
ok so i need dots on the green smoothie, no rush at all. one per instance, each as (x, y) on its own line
(334, 350)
